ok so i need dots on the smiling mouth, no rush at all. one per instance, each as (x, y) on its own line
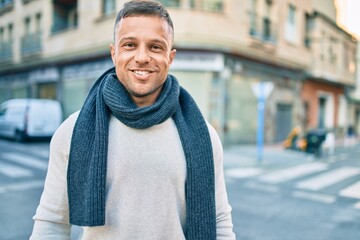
(141, 72)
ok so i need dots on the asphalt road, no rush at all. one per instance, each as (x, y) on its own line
(294, 196)
(287, 196)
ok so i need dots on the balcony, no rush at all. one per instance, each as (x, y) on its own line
(31, 44)
(65, 16)
(26, 1)
(6, 52)
(6, 6)
(171, 3)
(262, 28)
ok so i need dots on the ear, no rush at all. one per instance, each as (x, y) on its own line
(172, 55)
(112, 52)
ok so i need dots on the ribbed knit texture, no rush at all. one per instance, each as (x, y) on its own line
(88, 152)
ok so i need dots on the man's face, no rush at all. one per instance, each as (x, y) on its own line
(142, 54)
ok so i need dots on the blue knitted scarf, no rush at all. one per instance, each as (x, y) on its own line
(86, 177)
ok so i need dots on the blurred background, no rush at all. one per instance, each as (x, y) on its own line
(306, 49)
(296, 61)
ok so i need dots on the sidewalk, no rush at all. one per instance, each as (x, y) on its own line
(246, 156)
(274, 156)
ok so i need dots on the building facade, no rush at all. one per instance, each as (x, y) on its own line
(56, 49)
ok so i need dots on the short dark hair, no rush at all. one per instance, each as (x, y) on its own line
(143, 8)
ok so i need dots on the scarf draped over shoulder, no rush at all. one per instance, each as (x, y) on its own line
(86, 177)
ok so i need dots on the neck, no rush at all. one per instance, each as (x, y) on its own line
(147, 99)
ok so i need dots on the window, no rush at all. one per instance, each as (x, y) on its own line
(38, 23)
(3, 112)
(108, 7)
(31, 40)
(5, 3)
(208, 5)
(5, 44)
(350, 59)
(1, 34)
(332, 52)
(267, 34)
(290, 28)
(171, 3)
(309, 25)
(10, 32)
(253, 22)
(64, 15)
(27, 25)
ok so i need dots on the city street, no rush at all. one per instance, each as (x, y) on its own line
(286, 196)
(294, 196)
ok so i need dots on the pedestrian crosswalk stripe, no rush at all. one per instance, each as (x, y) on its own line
(14, 171)
(293, 172)
(25, 160)
(318, 197)
(353, 191)
(262, 187)
(21, 186)
(328, 178)
(243, 172)
(357, 205)
(343, 156)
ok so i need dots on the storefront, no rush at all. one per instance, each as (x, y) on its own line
(77, 80)
(37, 83)
(222, 84)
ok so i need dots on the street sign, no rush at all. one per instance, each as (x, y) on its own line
(262, 89)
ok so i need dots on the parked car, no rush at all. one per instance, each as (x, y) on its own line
(21, 119)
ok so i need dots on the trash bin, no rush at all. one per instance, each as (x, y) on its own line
(314, 139)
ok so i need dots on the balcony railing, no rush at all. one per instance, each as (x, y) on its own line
(6, 5)
(26, 1)
(31, 43)
(6, 52)
(262, 28)
(171, 3)
(202, 5)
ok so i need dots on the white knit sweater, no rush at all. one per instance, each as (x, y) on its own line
(145, 186)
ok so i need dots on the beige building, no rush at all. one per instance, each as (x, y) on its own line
(56, 49)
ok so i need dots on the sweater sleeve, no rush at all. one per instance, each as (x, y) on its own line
(224, 225)
(51, 220)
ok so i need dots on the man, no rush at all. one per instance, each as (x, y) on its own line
(138, 161)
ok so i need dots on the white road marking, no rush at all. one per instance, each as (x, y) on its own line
(353, 191)
(357, 205)
(243, 172)
(293, 172)
(21, 186)
(328, 178)
(324, 198)
(262, 187)
(25, 160)
(14, 171)
(343, 156)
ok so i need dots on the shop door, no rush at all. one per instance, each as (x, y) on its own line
(283, 121)
(322, 111)
(47, 90)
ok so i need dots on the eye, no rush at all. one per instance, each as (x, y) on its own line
(156, 48)
(129, 45)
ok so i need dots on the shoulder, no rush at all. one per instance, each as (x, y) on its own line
(62, 136)
(215, 141)
(67, 125)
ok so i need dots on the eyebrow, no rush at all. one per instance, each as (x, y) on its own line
(159, 41)
(126, 39)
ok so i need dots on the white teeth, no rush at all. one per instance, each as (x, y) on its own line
(141, 72)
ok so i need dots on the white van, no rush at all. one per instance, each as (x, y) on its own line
(27, 118)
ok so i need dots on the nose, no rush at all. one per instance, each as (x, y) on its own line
(142, 55)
